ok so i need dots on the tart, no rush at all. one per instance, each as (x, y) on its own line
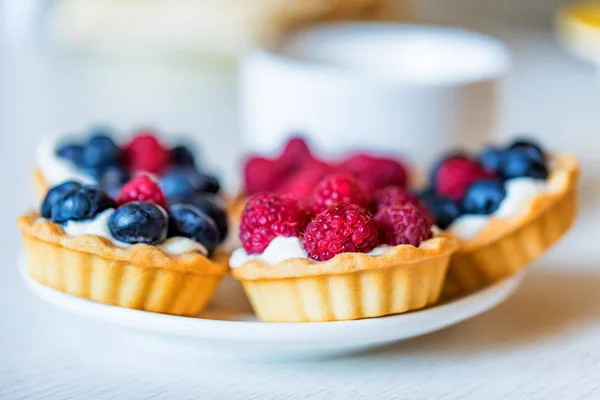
(350, 285)
(578, 25)
(96, 157)
(507, 208)
(507, 245)
(296, 170)
(129, 251)
(344, 264)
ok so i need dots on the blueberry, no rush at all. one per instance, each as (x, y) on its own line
(491, 158)
(188, 221)
(182, 156)
(183, 183)
(56, 193)
(100, 151)
(209, 184)
(209, 204)
(80, 204)
(179, 183)
(532, 149)
(95, 173)
(484, 197)
(70, 152)
(518, 163)
(444, 211)
(113, 178)
(427, 195)
(139, 222)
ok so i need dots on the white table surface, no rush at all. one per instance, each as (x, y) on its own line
(543, 343)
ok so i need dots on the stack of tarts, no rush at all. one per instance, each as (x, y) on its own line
(319, 241)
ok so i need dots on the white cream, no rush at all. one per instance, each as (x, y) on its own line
(181, 245)
(55, 169)
(280, 249)
(467, 226)
(377, 251)
(95, 227)
(99, 227)
(520, 192)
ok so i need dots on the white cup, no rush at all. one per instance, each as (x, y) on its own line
(393, 88)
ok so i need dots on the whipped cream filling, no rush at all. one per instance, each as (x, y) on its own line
(280, 249)
(520, 193)
(99, 227)
(55, 169)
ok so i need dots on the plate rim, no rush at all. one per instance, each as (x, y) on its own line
(457, 310)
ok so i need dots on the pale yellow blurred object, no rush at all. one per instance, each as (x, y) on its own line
(578, 25)
(213, 27)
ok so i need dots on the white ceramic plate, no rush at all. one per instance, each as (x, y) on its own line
(229, 328)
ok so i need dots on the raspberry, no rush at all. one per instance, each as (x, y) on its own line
(393, 196)
(301, 184)
(263, 175)
(295, 153)
(405, 224)
(141, 188)
(376, 173)
(396, 196)
(454, 176)
(146, 153)
(345, 228)
(266, 216)
(337, 189)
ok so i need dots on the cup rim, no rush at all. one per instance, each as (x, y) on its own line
(273, 53)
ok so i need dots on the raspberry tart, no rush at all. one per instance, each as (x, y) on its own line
(336, 260)
(132, 251)
(507, 207)
(296, 171)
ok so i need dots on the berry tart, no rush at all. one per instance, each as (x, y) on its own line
(133, 250)
(335, 259)
(296, 171)
(97, 159)
(507, 206)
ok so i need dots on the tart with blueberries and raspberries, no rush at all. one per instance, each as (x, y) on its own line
(343, 253)
(134, 250)
(96, 158)
(507, 206)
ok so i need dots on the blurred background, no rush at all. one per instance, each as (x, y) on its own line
(175, 66)
(217, 71)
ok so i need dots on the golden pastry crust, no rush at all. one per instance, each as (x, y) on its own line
(140, 254)
(349, 286)
(40, 185)
(346, 263)
(563, 179)
(140, 277)
(505, 246)
(235, 206)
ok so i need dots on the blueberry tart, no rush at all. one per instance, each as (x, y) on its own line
(507, 207)
(133, 250)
